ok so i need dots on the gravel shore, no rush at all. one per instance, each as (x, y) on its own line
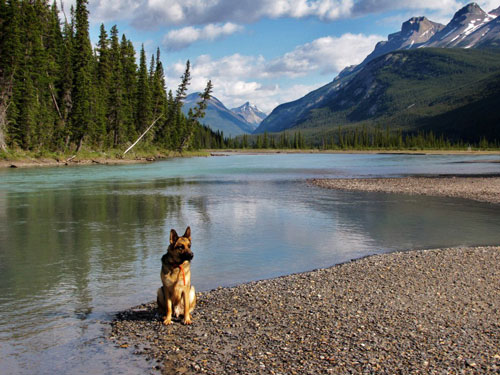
(416, 312)
(484, 189)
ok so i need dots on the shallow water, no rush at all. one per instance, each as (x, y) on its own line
(79, 244)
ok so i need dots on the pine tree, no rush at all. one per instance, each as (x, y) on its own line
(45, 63)
(33, 122)
(10, 45)
(81, 119)
(129, 68)
(103, 76)
(181, 126)
(159, 96)
(194, 116)
(65, 83)
(180, 94)
(143, 99)
(159, 102)
(265, 141)
(115, 114)
(55, 46)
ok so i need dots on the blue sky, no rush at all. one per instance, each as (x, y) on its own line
(263, 51)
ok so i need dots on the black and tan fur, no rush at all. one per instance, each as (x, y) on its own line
(177, 295)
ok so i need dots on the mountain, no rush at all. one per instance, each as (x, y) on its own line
(487, 36)
(449, 91)
(414, 32)
(457, 33)
(250, 113)
(470, 27)
(218, 117)
(290, 114)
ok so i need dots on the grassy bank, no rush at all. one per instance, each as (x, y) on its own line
(21, 158)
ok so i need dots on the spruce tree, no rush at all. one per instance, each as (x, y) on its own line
(65, 84)
(181, 126)
(31, 82)
(129, 71)
(143, 99)
(116, 123)
(55, 51)
(81, 118)
(194, 116)
(103, 73)
(180, 94)
(160, 103)
(45, 68)
(10, 45)
(159, 96)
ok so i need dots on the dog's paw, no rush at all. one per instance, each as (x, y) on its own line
(187, 321)
(167, 321)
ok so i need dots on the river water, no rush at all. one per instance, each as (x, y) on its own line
(78, 244)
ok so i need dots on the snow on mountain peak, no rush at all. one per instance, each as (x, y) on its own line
(250, 113)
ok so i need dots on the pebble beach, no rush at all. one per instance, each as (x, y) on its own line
(483, 189)
(414, 312)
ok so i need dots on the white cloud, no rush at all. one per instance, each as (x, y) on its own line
(327, 55)
(178, 39)
(363, 7)
(159, 13)
(238, 78)
(196, 12)
(436, 10)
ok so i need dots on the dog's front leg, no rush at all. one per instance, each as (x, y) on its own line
(187, 315)
(168, 318)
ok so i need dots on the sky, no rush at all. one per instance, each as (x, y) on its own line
(267, 52)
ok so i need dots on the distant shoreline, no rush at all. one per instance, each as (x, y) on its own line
(33, 162)
(361, 152)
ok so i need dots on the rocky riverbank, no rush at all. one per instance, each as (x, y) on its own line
(484, 189)
(417, 312)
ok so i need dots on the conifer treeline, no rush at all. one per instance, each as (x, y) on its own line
(57, 93)
(353, 139)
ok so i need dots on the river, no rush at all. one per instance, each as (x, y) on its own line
(78, 244)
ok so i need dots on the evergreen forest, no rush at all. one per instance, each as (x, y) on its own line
(58, 93)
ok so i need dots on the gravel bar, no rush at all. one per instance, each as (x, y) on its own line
(484, 189)
(415, 312)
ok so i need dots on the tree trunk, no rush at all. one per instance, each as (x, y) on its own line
(3, 145)
(80, 143)
(3, 124)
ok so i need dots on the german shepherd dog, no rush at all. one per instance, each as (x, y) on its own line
(177, 296)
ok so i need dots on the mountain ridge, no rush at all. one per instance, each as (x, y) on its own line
(250, 113)
(470, 27)
(218, 117)
(447, 91)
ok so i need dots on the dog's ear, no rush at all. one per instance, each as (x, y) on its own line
(187, 234)
(173, 236)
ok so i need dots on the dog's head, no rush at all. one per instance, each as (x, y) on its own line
(180, 247)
